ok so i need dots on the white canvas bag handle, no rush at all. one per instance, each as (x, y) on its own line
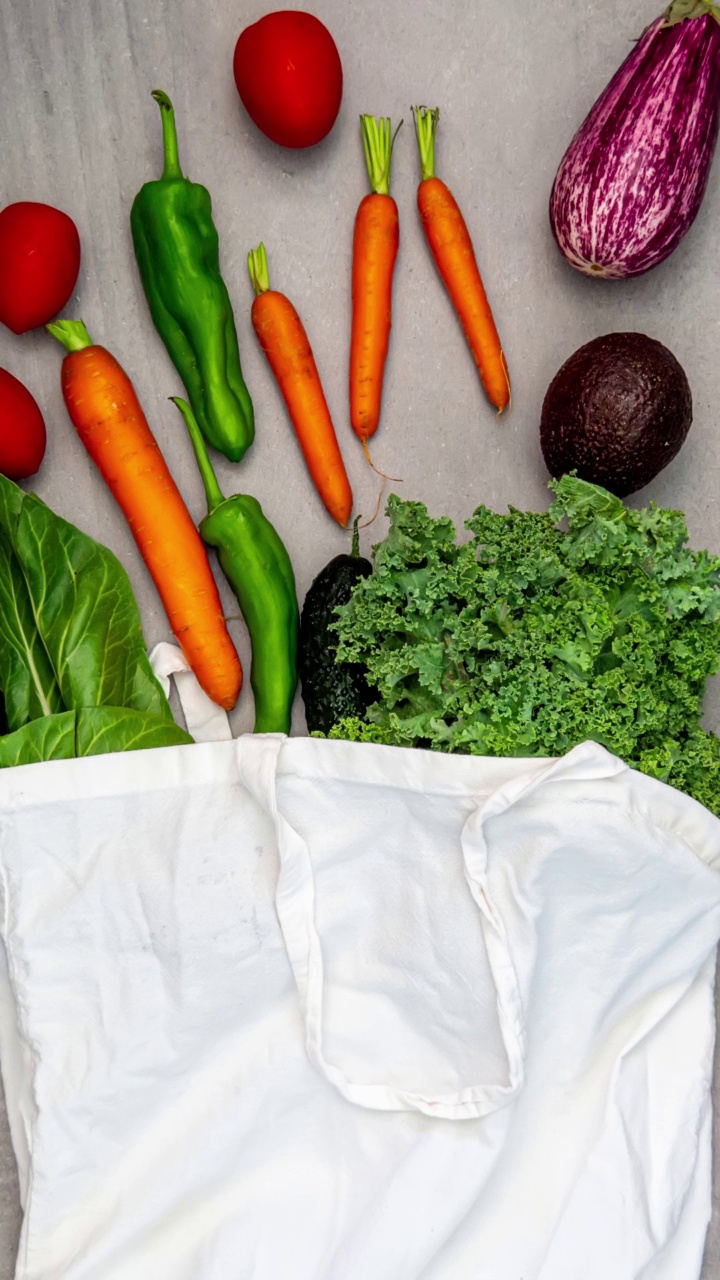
(204, 719)
(258, 759)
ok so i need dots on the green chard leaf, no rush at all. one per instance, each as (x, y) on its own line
(50, 738)
(86, 614)
(27, 678)
(69, 622)
(89, 732)
(104, 729)
(75, 679)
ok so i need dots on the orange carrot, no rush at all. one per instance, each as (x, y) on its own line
(107, 416)
(285, 343)
(452, 249)
(375, 246)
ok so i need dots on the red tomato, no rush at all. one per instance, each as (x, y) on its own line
(39, 264)
(289, 76)
(22, 430)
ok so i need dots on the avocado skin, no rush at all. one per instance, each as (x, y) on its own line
(617, 412)
(330, 689)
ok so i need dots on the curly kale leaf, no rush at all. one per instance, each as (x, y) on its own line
(532, 637)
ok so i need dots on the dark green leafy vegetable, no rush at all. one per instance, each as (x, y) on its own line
(527, 640)
(90, 732)
(26, 675)
(103, 729)
(82, 644)
(70, 642)
(49, 738)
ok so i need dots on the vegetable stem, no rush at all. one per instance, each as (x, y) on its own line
(680, 10)
(71, 333)
(170, 144)
(378, 142)
(355, 552)
(213, 493)
(258, 268)
(426, 122)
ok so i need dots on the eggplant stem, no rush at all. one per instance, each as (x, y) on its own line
(682, 10)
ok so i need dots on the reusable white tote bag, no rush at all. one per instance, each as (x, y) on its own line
(286, 1009)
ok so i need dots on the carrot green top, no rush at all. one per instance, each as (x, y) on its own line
(426, 121)
(378, 142)
(258, 268)
(71, 333)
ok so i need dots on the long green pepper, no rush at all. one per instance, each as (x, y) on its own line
(256, 564)
(177, 251)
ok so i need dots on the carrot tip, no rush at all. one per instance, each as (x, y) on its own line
(503, 413)
(395, 479)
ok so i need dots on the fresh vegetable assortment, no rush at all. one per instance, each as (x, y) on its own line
(109, 420)
(376, 237)
(631, 183)
(289, 76)
(282, 336)
(177, 251)
(616, 413)
(331, 690)
(22, 429)
(39, 263)
(452, 250)
(74, 673)
(527, 638)
(256, 564)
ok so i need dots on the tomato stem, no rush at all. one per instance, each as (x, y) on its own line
(170, 143)
(426, 122)
(378, 142)
(258, 268)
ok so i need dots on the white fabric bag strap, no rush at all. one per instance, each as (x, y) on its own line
(204, 719)
(258, 759)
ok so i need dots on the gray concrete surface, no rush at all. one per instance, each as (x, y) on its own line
(513, 81)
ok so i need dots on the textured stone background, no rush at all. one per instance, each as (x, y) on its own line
(513, 81)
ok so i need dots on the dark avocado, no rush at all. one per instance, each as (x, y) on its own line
(331, 690)
(616, 413)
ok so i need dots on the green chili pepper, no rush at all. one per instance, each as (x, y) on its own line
(176, 246)
(257, 566)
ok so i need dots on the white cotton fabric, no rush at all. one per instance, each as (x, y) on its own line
(286, 1009)
(205, 721)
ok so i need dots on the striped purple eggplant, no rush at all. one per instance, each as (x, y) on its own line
(633, 178)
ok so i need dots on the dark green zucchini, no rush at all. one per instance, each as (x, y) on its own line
(330, 689)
